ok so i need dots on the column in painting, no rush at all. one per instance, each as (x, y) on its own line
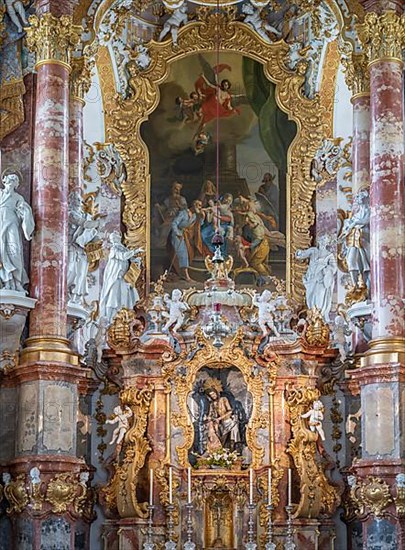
(46, 485)
(382, 376)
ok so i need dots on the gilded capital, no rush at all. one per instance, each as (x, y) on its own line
(80, 78)
(357, 74)
(52, 38)
(382, 36)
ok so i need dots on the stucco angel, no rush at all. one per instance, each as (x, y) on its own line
(177, 308)
(315, 416)
(120, 416)
(266, 308)
(254, 19)
(175, 21)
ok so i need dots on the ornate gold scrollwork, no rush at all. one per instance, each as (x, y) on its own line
(371, 496)
(123, 120)
(16, 494)
(52, 38)
(120, 493)
(61, 492)
(231, 354)
(382, 36)
(123, 334)
(318, 496)
(317, 332)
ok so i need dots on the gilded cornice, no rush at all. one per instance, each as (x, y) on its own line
(52, 38)
(357, 74)
(382, 36)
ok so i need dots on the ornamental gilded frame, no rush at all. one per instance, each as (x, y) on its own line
(124, 117)
(230, 355)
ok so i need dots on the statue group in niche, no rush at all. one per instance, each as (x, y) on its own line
(219, 421)
(319, 279)
(16, 221)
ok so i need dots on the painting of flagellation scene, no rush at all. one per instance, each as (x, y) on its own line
(234, 97)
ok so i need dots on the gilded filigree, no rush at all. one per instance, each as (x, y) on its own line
(16, 493)
(317, 332)
(124, 118)
(120, 493)
(317, 495)
(370, 496)
(61, 492)
(382, 36)
(230, 354)
(52, 38)
(123, 335)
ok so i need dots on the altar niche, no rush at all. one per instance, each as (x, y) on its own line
(220, 407)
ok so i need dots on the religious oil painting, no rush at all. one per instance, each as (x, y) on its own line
(218, 148)
(219, 407)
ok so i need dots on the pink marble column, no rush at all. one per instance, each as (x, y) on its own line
(361, 142)
(387, 198)
(50, 189)
(75, 144)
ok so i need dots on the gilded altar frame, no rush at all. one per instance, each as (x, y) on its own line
(313, 117)
(230, 355)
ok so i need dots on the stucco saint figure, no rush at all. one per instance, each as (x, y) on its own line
(116, 292)
(175, 21)
(16, 219)
(319, 280)
(266, 309)
(120, 416)
(254, 19)
(315, 416)
(16, 12)
(177, 308)
(82, 230)
(355, 240)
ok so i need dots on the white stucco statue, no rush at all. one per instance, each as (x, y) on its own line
(16, 12)
(16, 219)
(355, 239)
(116, 293)
(120, 416)
(315, 416)
(82, 230)
(266, 308)
(319, 280)
(254, 19)
(177, 308)
(175, 21)
(35, 476)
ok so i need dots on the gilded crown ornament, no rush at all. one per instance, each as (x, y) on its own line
(52, 38)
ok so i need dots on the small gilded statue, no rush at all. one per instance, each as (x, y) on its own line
(122, 416)
(315, 416)
(266, 308)
(177, 308)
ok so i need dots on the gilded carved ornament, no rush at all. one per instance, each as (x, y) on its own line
(123, 119)
(231, 354)
(124, 332)
(318, 496)
(382, 36)
(370, 496)
(357, 75)
(317, 332)
(80, 78)
(120, 492)
(52, 39)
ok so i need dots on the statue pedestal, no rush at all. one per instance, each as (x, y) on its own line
(77, 316)
(14, 308)
(360, 315)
